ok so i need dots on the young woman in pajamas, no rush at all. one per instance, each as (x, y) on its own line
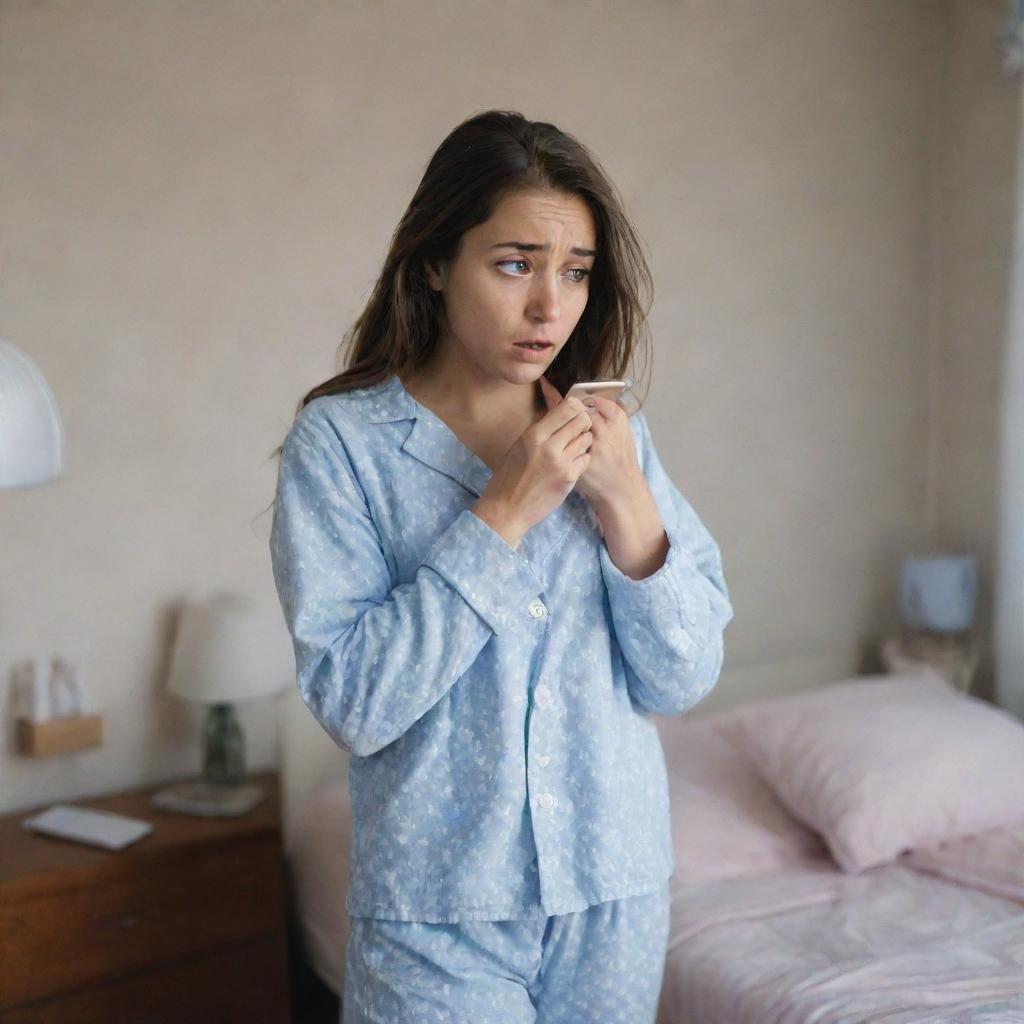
(490, 590)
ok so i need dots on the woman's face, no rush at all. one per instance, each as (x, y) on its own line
(519, 276)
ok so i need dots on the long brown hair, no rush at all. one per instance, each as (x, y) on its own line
(485, 158)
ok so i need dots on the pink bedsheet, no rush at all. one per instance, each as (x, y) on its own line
(992, 860)
(892, 945)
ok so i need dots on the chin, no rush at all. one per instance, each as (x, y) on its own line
(533, 373)
(529, 371)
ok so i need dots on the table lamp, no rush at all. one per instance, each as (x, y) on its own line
(937, 599)
(31, 430)
(937, 594)
(213, 663)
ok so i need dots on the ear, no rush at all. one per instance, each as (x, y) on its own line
(437, 274)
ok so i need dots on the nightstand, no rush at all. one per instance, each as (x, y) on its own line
(187, 924)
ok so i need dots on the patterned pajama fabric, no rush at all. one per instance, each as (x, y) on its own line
(602, 965)
(496, 700)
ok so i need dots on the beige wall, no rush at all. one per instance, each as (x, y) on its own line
(197, 196)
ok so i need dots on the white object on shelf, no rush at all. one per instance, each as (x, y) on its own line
(31, 700)
(84, 825)
(48, 688)
(67, 679)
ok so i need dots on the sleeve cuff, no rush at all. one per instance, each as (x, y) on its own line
(663, 598)
(492, 577)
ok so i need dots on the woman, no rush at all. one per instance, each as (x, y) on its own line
(489, 590)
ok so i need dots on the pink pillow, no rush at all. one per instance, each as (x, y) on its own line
(882, 764)
(725, 821)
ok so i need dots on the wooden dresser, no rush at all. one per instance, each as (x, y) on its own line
(186, 924)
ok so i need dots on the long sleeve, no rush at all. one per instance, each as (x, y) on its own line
(669, 625)
(373, 657)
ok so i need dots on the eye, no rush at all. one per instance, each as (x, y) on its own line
(505, 263)
(582, 272)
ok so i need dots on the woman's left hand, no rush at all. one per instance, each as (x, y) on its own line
(613, 471)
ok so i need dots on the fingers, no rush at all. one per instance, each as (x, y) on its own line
(583, 442)
(577, 419)
(569, 406)
(567, 419)
(606, 408)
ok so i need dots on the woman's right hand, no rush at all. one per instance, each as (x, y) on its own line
(538, 471)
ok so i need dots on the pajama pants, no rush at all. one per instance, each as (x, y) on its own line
(601, 965)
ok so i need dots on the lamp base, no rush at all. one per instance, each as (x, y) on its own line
(956, 659)
(928, 643)
(206, 801)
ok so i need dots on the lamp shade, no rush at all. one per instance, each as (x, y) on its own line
(31, 430)
(938, 593)
(218, 652)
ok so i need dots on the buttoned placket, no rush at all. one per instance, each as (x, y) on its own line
(542, 697)
(543, 700)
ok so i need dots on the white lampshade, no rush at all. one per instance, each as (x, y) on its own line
(31, 430)
(219, 651)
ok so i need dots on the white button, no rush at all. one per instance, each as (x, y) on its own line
(536, 609)
(543, 760)
(543, 696)
(546, 800)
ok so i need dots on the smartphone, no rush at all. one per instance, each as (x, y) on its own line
(610, 389)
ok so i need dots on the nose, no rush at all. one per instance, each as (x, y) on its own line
(543, 305)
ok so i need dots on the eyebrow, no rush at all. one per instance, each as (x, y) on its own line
(536, 247)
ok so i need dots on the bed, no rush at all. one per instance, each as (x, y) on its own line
(852, 852)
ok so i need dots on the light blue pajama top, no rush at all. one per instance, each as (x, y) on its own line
(496, 700)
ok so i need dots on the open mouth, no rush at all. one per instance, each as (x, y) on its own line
(531, 345)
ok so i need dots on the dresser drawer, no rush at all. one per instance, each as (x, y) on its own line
(244, 982)
(67, 935)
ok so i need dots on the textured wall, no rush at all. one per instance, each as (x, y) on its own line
(196, 200)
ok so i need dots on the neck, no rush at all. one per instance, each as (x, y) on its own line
(471, 399)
